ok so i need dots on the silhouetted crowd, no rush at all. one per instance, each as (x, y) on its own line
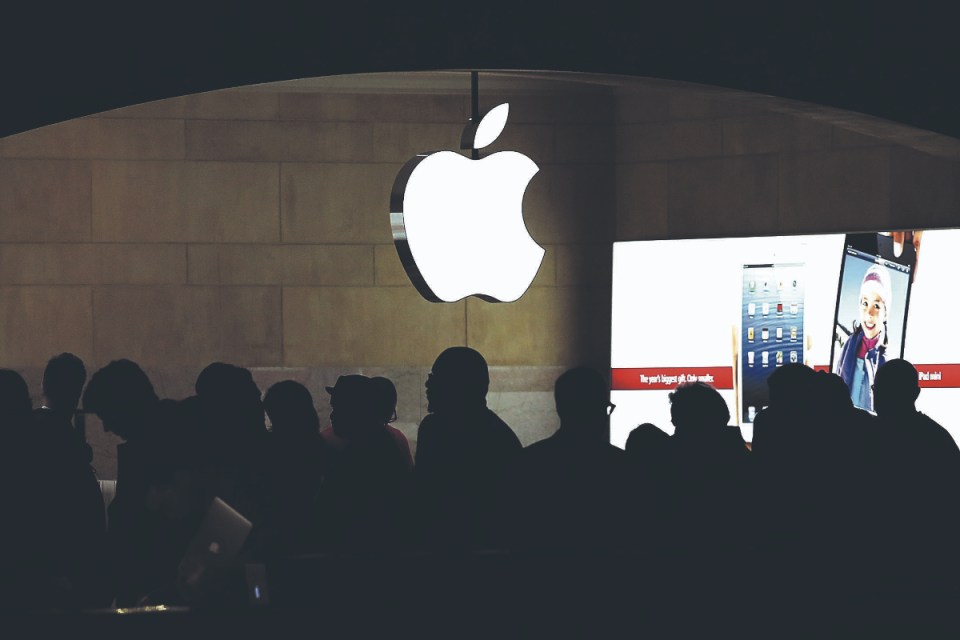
(827, 497)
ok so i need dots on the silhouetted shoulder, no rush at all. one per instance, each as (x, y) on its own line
(501, 429)
(936, 433)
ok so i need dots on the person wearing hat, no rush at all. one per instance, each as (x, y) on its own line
(864, 351)
(361, 499)
(384, 395)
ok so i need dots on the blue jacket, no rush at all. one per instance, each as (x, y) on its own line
(847, 365)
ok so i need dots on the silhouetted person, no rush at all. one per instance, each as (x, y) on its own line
(384, 396)
(707, 478)
(23, 574)
(463, 451)
(646, 452)
(232, 426)
(368, 482)
(645, 442)
(571, 489)
(297, 461)
(68, 506)
(158, 505)
(920, 466)
(780, 426)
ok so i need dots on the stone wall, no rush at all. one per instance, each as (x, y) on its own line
(251, 226)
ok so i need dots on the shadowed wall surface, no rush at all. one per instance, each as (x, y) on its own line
(251, 225)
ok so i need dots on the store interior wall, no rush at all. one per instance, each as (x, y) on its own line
(251, 225)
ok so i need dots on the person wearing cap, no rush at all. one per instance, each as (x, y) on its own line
(385, 397)
(361, 499)
(919, 485)
(864, 351)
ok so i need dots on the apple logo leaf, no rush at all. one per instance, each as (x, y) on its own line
(478, 135)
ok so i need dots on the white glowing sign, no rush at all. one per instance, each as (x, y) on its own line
(458, 223)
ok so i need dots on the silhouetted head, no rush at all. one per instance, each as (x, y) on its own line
(224, 382)
(231, 397)
(63, 381)
(122, 396)
(583, 402)
(15, 403)
(353, 408)
(646, 442)
(789, 386)
(385, 398)
(458, 381)
(697, 408)
(895, 388)
(290, 407)
(831, 395)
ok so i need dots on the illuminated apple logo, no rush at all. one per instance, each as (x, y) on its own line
(458, 222)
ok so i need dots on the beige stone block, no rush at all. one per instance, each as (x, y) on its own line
(399, 142)
(203, 263)
(47, 264)
(228, 104)
(772, 134)
(36, 323)
(843, 138)
(585, 143)
(245, 264)
(175, 382)
(642, 106)
(584, 264)
(249, 141)
(389, 270)
(695, 105)
(570, 203)
(924, 190)
(185, 202)
(533, 140)
(251, 326)
(92, 264)
(140, 264)
(337, 203)
(661, 141)
(232, 264)
(642, 194)
(549, 326)
(232, 104)
(338, 265)
(565, 107)
(939, 146)
(840, 190)
(723, 197)
(372, 107)
(366, 326)
(524, 379)
(44, 200)
(166, 108)
(179, 326)
(112, 138)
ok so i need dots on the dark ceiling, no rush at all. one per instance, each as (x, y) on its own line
(63, 62)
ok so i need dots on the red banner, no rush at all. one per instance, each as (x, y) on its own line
(938, 376)
(932, 376)
(660, 378)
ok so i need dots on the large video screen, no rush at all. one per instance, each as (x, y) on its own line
(730, 311)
